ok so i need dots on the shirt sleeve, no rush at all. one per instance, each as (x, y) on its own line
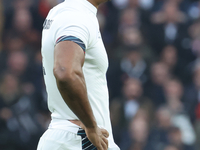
(72, 27)
(73, 39)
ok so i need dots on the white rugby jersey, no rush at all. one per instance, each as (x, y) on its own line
(77, 18)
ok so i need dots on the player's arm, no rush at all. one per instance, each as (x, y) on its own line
(68, 62)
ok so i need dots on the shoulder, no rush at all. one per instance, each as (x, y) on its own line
(67, 21)
(73, 20)
(72, 16)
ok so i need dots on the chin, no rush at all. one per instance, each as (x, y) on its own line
(106, 0)
(103, 1)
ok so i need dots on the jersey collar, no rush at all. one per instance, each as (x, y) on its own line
(87, 4)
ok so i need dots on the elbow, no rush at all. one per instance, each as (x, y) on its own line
(62, 74)
(67, 74)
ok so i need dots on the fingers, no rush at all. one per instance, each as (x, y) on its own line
(105, 141)
(98, 137)
(105, 133)
(104, 145)
(100, 148)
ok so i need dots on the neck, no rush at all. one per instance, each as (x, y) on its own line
(96, 3)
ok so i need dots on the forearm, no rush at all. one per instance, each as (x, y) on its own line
(74, 93)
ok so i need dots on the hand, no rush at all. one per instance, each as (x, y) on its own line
(98, 137)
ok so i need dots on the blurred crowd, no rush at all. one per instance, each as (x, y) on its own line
(153, 77)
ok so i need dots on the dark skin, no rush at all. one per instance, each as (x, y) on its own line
(96, 3)
(68, 62)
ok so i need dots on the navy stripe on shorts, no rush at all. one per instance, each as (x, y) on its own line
(86, 144)
(73, 39)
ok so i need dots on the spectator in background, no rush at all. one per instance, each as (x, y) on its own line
(17, 113)
(173, 90)
(23, 27)
(134, 105)
(169, 57)
(159, 133)
(136, 137)
(9, 92)
(171, 147)
(194, 32)
(175, 138)
(174, 93)
(20, 23)
(168, 26)
(168, 130)
(13, 43)
(17, 63)
(133, 99)
(192, 101)
(132, 91)
(128, 106)
(154, 87)
(23, 110)
(131, 37)
(139, 134)
(134, 16)
(129, 18)
(133, 65)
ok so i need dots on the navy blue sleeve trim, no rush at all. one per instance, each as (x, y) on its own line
(72, 38)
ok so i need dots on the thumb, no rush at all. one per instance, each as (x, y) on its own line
(105, 133)
(82, 126)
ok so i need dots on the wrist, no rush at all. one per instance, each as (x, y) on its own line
(92, 125)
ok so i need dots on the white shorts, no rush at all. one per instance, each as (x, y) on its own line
(56, 139)
(64, 135)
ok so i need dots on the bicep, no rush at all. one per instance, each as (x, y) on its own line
(68, 57)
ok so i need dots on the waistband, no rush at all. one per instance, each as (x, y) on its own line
(62, 124)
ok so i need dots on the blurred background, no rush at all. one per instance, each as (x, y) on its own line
(153, 78)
